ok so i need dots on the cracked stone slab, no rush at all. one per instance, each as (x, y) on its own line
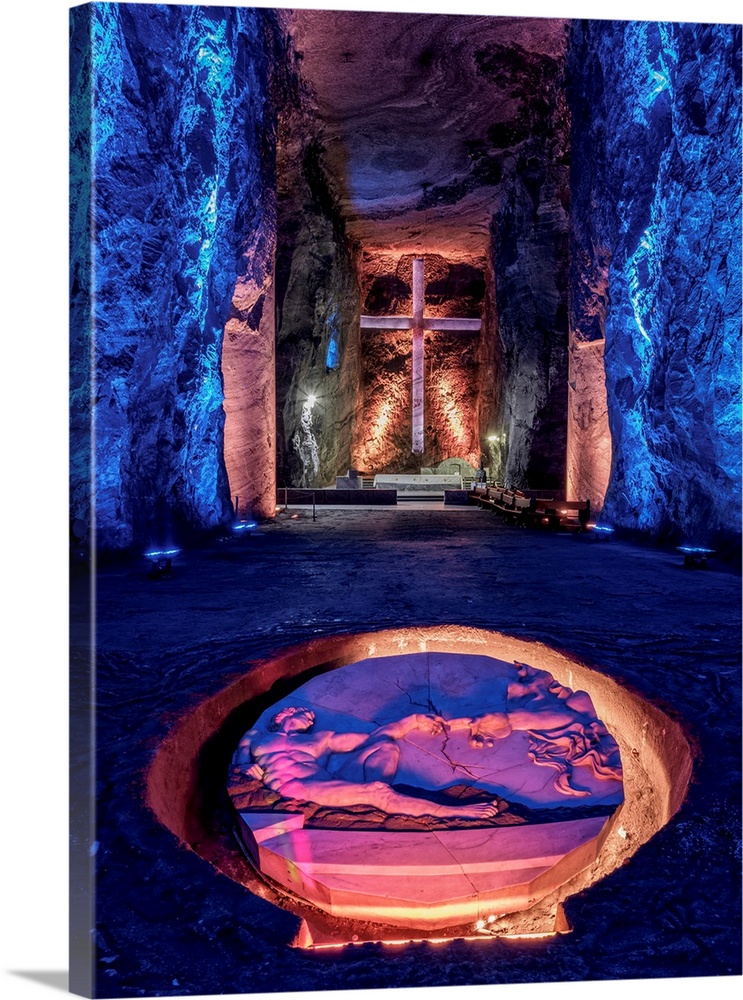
(424, 878)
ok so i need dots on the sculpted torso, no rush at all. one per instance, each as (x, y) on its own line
(291, 761)
(295, 756)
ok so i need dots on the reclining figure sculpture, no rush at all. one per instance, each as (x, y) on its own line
(340, 769)
(292, 760)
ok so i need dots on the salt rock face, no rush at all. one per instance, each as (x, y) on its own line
(451, 133)
(453, 380)
(530, 260)
(656, 237)
(178, 93)
(317, 343)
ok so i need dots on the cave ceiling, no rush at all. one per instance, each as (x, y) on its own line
(421, 116)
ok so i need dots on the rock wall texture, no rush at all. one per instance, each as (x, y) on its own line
(179, 134)
(317, 344)
(80, 223)
(530, 263)
(589, 440)
(453, 380)
(248, 347)
(655, 265)
(491, 403)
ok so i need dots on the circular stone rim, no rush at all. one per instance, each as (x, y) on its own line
(656, 752)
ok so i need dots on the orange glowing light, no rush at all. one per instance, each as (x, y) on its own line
(381, 421)
(378, 445)
(453, 408)
(447, 397)
(401, 942)
(536, 936)
(667, 755)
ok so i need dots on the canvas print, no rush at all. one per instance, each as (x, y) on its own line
(405, 423)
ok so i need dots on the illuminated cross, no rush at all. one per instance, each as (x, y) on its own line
(417, 323)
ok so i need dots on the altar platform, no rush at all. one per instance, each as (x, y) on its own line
(418, 486)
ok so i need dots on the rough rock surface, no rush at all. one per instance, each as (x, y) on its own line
(163, 647)
(492, 397)
(453, 380)
(530, 261)
(373, 164)
(175, 92)
(409, 118)
(317, 346)
(80, 268)
(588, 436)
(656, 232)
(434, 139)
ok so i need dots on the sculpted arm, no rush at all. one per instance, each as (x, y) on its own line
(344, 742)
(247, 754)
(401, 727)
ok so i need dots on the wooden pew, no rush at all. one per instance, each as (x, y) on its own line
(538, 512)
(485, 496)
(559, 515)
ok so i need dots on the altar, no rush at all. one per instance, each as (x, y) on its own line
(417, 485)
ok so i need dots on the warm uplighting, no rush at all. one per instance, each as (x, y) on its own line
(450, 403)
(589, 451)
(378, 441)
(401, 942)
(536, 936)
(492, 438)
(379, 425)
(390, 943)
(664, 772)
(485, 926)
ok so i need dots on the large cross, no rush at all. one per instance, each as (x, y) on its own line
(418, 323)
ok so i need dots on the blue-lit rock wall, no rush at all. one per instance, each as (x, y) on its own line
(656, 265)
(80, 367)
(179, 132)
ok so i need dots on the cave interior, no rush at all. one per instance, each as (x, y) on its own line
(246, 184)
(263, 178)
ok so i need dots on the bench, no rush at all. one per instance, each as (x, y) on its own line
(512, 505)
(499, 500)
(558, 515)
(516, 507)
(694, 556)
(503, 504)
(484, 496)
